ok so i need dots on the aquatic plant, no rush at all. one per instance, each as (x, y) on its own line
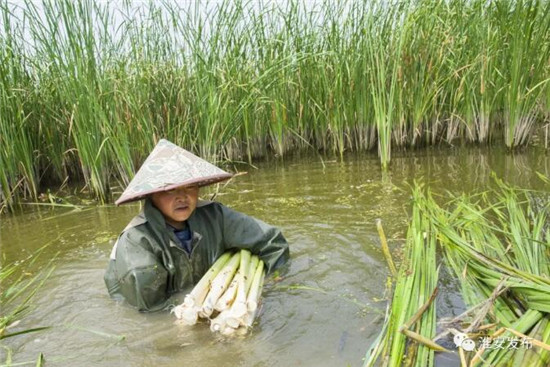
(497, 245)
(411, 316)
(87, 88)
(17, 290)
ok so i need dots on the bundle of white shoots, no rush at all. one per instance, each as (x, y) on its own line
(230, 290)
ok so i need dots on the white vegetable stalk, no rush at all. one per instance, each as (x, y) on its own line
(256, 288)
(254, 259)
(254, 295)
(188, 315)
(219, 285)
(188, 310)
(226, 300)
(238, 308)
(198, 294)
(218, 323)
(248, 319)
(232, 321)
(229, 296)
(242, 316)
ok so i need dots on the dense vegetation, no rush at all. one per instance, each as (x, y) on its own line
(87, 88)
(495, 244)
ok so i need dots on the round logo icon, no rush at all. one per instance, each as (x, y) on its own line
(462, 340)
(468, 345)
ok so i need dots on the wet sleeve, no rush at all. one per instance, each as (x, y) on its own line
(142, 279)
(262, 239)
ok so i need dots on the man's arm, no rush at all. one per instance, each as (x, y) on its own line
(262, 239)
(137, 276)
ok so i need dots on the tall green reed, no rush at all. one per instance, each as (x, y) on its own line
(385, 37)
(525, 26)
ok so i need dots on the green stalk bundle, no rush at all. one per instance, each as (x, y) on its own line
(401, 341)
(500, 239)
(87, 88)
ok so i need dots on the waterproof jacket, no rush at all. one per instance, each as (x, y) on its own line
(148, 266)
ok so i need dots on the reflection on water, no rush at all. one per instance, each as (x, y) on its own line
(325, 312)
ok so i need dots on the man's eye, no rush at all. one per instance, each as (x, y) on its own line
(182, 191)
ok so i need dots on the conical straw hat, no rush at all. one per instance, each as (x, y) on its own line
(167, 167)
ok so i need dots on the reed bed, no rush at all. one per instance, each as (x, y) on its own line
(87, 88)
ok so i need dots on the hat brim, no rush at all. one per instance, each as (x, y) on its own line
(198, 182)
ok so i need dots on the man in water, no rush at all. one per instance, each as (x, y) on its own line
(177, 237)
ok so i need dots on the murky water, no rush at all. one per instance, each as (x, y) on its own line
(325, 312)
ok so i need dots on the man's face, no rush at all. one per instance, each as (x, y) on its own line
(176, 205)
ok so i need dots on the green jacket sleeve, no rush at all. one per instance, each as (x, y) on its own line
(142, 278)
(262, 239)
